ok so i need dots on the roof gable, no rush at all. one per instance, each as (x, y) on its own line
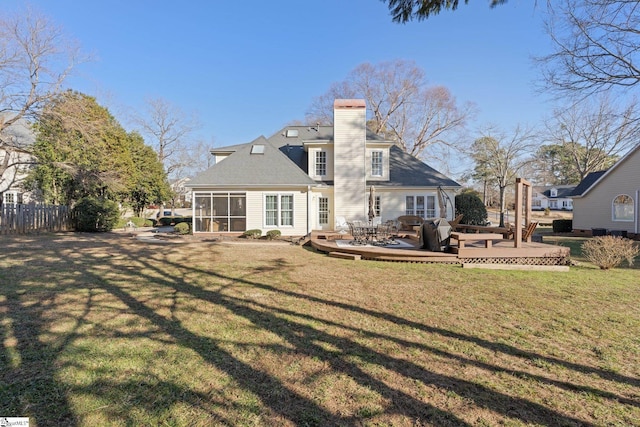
(267, 165)
(594, 178)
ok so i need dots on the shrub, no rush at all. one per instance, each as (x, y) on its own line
(182, 228)
(471, 207)
(273, 234)
(93, 214)
(138, 221)
(547, 212)
(609, 251)
(252, 234)
(562, 225)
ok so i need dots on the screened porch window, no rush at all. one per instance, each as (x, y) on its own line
(220, 211)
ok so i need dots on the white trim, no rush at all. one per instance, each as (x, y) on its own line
(613, 209)
(278, 210)
(381, 174)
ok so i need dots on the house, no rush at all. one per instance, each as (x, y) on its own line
(555, 197)
(306, 178)
(15, 161)
(608, 201)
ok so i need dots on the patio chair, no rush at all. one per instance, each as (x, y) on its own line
(528, 231)
(341, 225)
(454, 222)
(358, 233)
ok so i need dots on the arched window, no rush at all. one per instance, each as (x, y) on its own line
(623, 208)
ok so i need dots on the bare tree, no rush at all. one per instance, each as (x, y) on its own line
(501, 157)
(168, 130)
(597, 45)
(595, 132)
(35, 59)
(192, 160)
(402, 107)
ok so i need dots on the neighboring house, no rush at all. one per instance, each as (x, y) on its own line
(15, 162)
(308, 178)
(182, 193)
(555, 197)
(609, 200)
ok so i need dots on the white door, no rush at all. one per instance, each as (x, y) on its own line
(324, 214)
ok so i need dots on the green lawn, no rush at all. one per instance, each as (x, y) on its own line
(105, 330)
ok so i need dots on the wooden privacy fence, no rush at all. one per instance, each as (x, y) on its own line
(24, 219)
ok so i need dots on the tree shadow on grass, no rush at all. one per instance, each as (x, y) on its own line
(35, 376)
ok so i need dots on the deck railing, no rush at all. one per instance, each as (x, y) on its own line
(25, 219)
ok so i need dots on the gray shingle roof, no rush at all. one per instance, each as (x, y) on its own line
(404, 169)
(285, 162)
(242, 168)
(310, 134)
(587, 182)
(408, 171)
(563, 190)
(591, 179)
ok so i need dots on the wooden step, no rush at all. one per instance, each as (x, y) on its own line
(343, 255)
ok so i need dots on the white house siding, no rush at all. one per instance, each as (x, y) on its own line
(256, 208)
(595, 209)
(312, 162)
(11, 180)
(314, 209)
(392, 202)
(255, 218)
(349, 160)
(385, 163)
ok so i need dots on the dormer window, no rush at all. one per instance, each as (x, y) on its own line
(321, 163)
(554, 192)
(376, 163)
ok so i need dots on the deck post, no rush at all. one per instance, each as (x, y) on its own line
(523, 200)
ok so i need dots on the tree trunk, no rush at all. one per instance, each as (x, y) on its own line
(502, 205)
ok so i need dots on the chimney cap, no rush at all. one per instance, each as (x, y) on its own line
(349, 103)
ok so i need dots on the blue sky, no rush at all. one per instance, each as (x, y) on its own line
(248, 68)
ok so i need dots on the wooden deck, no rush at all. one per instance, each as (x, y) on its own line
(501, 252)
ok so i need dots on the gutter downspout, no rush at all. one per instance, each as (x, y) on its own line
(308, 209)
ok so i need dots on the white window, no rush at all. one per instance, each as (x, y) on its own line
(321, 163)
(278, 210)
(415, 205)
(376, 163)
(9, 198)
(623, 208)
(377, 206)
(323, 210)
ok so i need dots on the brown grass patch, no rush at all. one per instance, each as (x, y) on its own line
(107, 330)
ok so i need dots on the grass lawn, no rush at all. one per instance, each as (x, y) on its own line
(106, 330)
